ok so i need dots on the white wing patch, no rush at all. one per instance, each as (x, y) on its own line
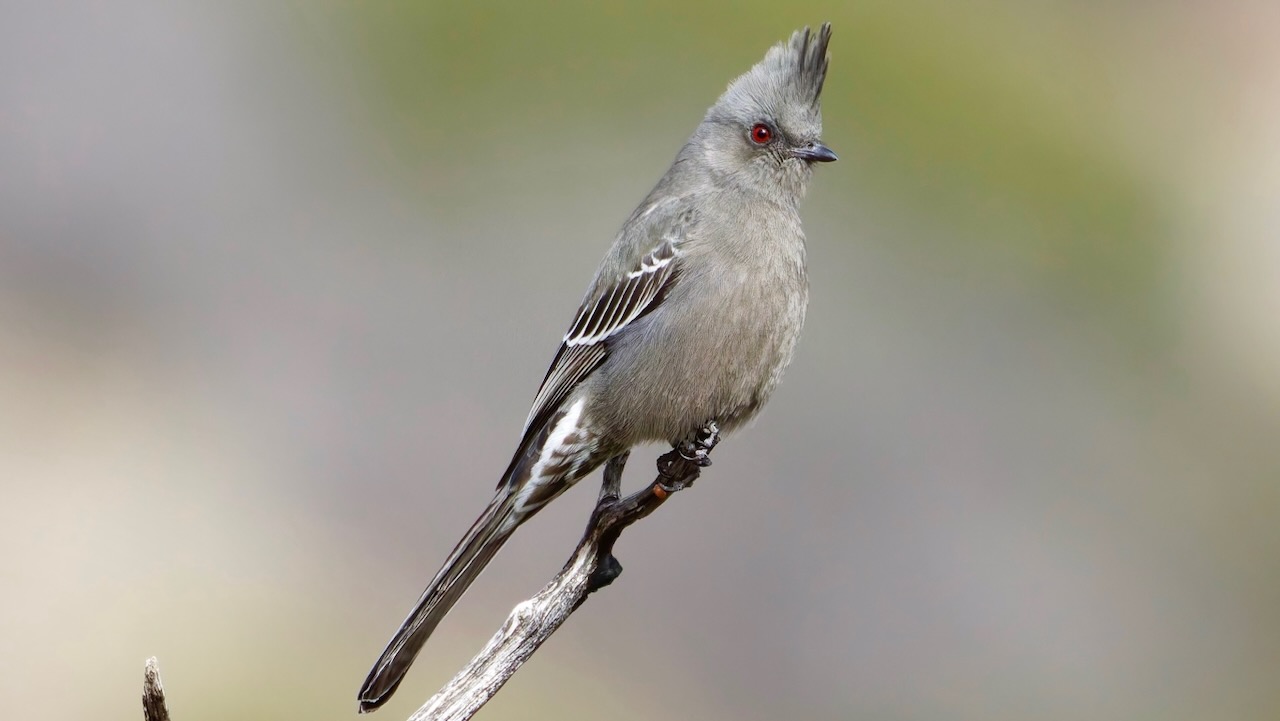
(624, 301)
(651, 264)
(629, 297)
(564, 451)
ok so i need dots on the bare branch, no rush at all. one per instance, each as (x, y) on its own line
(590, 568)
(153, 706)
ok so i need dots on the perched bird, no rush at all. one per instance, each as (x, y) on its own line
(692, 317)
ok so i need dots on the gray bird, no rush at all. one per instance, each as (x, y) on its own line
(692, 317)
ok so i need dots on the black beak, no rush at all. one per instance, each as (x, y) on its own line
(815, 152)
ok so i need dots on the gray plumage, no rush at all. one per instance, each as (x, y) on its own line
(692, 316)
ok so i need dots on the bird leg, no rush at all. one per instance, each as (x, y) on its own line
(608, 568)
(677, 470)
(611, 489)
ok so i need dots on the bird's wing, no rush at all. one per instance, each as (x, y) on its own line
(609, 309)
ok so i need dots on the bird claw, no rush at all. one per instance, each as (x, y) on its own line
(694, 453)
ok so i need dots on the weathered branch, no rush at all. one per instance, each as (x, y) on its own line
(153, 706)
(590, 568)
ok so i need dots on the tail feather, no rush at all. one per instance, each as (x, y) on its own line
(537, 475)
(463, 566)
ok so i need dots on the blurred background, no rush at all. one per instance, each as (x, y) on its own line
(278, 281)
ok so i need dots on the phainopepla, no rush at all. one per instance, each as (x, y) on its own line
(692, 317)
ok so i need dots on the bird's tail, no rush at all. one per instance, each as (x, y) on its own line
(468, 559)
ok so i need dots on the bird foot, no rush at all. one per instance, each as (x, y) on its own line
(696, 449)
(676, 476)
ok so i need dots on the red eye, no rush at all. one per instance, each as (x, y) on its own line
(761, 133)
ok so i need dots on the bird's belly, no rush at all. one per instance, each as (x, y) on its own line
(718, 359)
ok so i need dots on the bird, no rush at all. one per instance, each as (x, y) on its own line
(690, 319)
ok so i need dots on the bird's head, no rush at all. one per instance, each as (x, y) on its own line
(765, 131)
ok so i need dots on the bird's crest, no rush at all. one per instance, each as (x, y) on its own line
(802, 62)
(790, 76)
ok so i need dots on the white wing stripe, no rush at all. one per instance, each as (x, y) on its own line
(624, 302)
(590, 317)
(649, 264)
(556, 453)
(628, 297)
(626, 293)
(608, 312)
(609, 321)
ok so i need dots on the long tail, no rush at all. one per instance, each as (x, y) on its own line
(468, 559)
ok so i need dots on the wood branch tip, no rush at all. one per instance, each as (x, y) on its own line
(151, 675)
(153, 702)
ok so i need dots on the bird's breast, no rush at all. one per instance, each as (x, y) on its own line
(717, 346)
